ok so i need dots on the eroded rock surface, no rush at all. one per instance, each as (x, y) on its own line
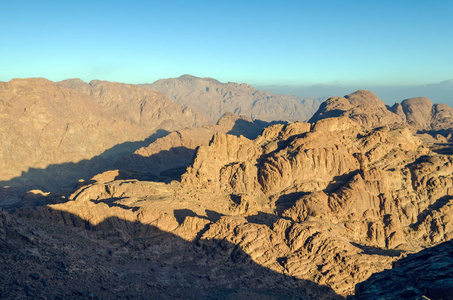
(173, 153)
(330, 202)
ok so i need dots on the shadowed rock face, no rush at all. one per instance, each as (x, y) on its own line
(45, 123)
(214, 99)
(420, 114)
(426, 274)
(49, 259)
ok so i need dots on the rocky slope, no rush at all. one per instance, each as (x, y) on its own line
(214, 99)
(419, 114)
(327, 203)
(303, 210)
(424, 275)
(52, 134)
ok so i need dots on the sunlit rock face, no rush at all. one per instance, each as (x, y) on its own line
(418, 114)
(331, 202)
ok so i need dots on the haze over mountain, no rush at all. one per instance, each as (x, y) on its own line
(214, 99)
(438, 92)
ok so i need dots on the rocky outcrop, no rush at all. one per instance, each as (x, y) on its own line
(362, 107)
(214, 99)
(419, 114)
(423, 275)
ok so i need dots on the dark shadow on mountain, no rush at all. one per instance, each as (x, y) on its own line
(213, 216)
(421, 217)
(173, 174)
(181, 214)
(321, 114)
(423, 275)
(167, 163)
(60, 177)
(172, 163)
(442, 148)
(251, 130)
(338, 181)
(131, 260)
(378, 251)
(263, 218)
(287, 201)
(114, 202)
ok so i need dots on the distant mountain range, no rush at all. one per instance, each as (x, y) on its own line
(213, 98)
(438, 92)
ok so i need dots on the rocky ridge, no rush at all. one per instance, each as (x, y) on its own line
(419, 114)
(214, 99)
(330, 202)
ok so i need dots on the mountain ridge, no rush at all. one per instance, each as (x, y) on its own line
(214, 99)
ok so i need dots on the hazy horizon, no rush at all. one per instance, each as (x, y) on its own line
(328, 44)
(441, 92)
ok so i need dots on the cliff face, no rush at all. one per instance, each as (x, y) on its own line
(214, 99)
(45, 125)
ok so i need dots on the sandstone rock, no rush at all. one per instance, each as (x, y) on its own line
(328, 203)
(419, 114)
(362, 107)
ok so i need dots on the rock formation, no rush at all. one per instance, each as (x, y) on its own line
(214, 99)
(329, 202)
(419, 114)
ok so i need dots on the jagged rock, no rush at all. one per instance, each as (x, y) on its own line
(328, 203)
(419, 114)
(362, 107)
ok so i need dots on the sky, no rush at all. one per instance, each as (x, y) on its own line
(280, 43)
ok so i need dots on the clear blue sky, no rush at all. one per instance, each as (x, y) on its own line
(259, 42)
